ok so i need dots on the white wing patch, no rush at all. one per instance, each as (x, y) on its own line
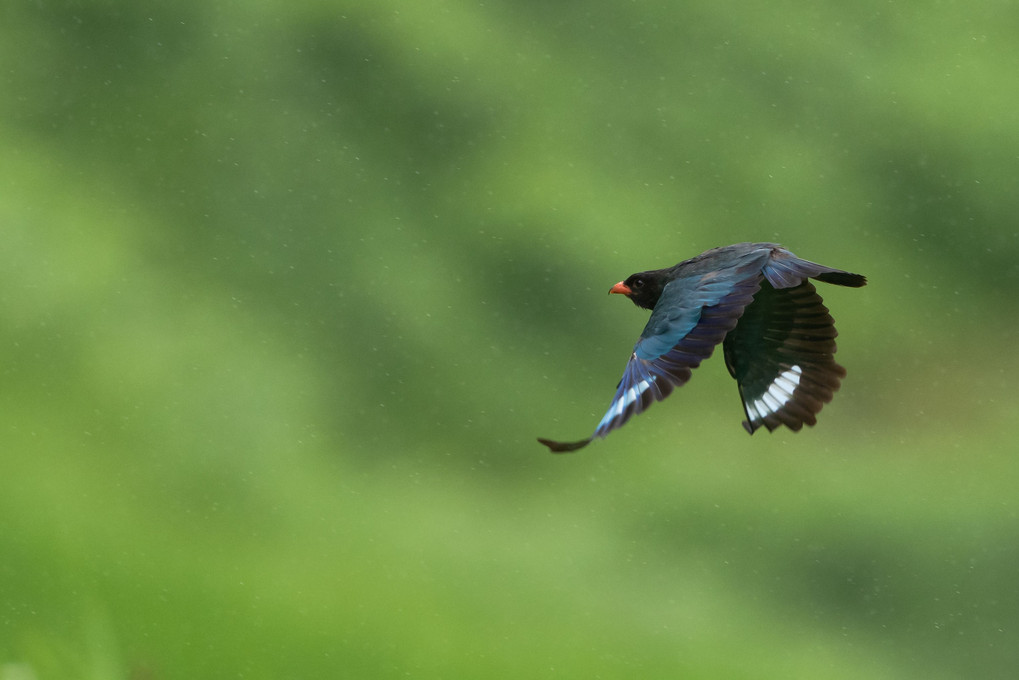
(628, 397)
(778, 394)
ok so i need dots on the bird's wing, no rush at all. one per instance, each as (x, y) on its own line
(691, 317)
(781, 357)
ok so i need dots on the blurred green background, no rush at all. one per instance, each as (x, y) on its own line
(290, 288)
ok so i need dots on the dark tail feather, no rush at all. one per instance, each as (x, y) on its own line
(785, 270)
(840, 278)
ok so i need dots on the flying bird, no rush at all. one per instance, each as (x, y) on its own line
(757, 300)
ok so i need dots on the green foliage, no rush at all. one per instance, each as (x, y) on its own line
(289, 289)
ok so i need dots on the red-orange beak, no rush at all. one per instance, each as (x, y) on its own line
(620, 289)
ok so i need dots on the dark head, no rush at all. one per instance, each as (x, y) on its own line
(644, 288)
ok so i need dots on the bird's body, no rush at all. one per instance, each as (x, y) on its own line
(754, 298)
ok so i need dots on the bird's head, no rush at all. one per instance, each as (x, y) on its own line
(643, 288)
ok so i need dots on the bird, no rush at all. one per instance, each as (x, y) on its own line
(778, 338)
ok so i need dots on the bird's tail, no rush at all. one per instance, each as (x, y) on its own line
(785, 270)
(841, 278)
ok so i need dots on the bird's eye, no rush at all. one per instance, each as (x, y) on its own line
(638, 283)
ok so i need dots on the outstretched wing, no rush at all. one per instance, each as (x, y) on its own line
(781, 357)
(690, 319)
